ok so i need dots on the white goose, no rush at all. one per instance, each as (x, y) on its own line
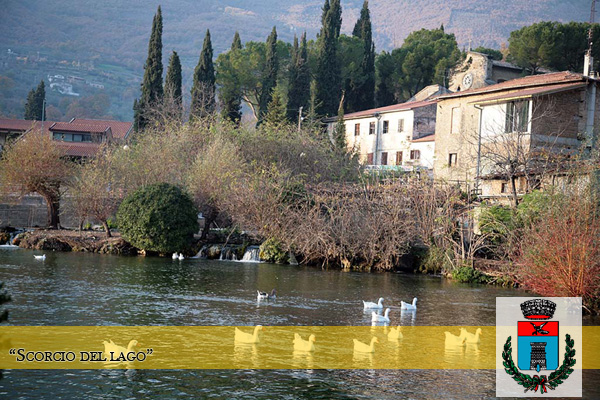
(408, 306)
(471, 338)
(370, 304)
(361, 347)
(381, 318)
(304, 345)
(175, 256)
(266, 296)
(42, 257)
(395, 333)
(453, 340)
(248, 338)
(117, 350)
(181, 257)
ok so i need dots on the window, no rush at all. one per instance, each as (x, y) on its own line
(455, 123)
(384, 158)
(415, 154)
(517, 117)
(398, 158)
(386, 126)
(371, 128)
(401, 125)
(370, 159)
(504, 187)
(452, 159)
(72, 137)
(356, 129)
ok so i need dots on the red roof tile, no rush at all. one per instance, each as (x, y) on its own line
(430, 138)
(75, 127)
(78, 149)
(536, 91)
(395, 107)
(554, 78)
(120, 130)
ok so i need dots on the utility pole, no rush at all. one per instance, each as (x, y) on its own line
(300, 118)
(43, 115)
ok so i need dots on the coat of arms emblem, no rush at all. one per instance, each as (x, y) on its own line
(538, 346)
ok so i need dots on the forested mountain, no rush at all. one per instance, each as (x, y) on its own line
(112, 35)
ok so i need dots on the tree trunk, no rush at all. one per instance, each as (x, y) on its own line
(208, 221)
(53, 201)
(514, 190)
(106, 228)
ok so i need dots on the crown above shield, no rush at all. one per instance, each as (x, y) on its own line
(538, 309)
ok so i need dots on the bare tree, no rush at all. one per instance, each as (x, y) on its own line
(35, 164)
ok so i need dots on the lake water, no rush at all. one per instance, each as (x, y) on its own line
(89, 289)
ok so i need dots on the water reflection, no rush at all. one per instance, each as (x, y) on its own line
(89, 289)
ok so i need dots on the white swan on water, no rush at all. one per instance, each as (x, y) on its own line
(370, 304)
(42, 257)
(247, 338)
(408, 306)
(381, 318)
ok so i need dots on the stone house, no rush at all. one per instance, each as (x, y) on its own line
(505, 139)
(479, 70)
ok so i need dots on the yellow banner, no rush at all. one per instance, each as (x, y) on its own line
(272, 347)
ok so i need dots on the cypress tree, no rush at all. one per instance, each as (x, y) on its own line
(30, 106)
(237, 42)
(34, 106)
(203, 89)
(339, 134)
(152, 87)
(173, 91)
(299, 91)
(275, 115)
(270, 76)
(230, 96)
(328, 74)
(363, 96)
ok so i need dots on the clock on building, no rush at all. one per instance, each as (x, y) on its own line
(467, 81)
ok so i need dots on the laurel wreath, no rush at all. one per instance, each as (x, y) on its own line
(533, 383)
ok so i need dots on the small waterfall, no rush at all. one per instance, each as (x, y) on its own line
(12, 237)
(228, 254)
(252, 254)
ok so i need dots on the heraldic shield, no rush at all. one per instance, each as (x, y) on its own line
(537, 346)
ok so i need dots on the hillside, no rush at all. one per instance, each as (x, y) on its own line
(115, 33)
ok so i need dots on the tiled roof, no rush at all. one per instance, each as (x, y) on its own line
(430, 138)
(77, 127)
(395, 107)
(554, 78)
(18, 125)
(78, 149)
(120, 130)
(536, 91)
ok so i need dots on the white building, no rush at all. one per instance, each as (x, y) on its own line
(400, 135)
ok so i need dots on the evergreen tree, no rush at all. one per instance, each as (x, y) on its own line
(230, 94)
(328, 73)
(299, 87)
(152, 87)
(34, 107)
(173, 91)
(363, 91)
(339, 134)
(136, 115)
(384, 94)
(237, 42)
(270, 76)
(275, 115)
(30, 113)
(203, 89)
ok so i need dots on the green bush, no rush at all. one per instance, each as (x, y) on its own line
(431, 260)
(272, 251)
(159, 218)
(466, 274)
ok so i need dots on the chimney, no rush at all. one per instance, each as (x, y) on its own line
(588, 64)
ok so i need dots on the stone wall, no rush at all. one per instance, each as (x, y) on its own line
(32, 211)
